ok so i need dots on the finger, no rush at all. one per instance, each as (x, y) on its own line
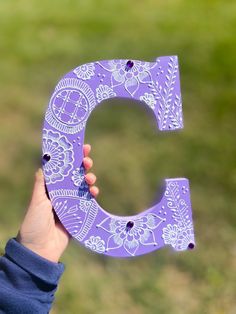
(90, 178)
(39, 190)
(94, 190)
(88, 163)
(86, 149)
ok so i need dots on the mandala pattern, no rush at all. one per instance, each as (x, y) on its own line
(95, 244)
(149, 100)
(131, 234)
(104, 92)
(70, 106)
(85, 71)
(60, 154)
(179, 235)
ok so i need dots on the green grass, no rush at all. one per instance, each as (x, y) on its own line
(40, 42)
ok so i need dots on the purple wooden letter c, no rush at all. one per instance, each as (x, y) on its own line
(156, 84)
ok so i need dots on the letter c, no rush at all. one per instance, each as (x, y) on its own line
(156, 84)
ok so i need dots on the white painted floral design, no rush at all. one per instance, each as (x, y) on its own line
(131, 234)
(179, 235)
(170, 234)
(149, 100)
(95, 244)
(185, 237)
(169, 112)
(78, 176)
(75, 211)
(61, 156)
(69, 213)
(85, 204)
(176, 115)
(85, 71)
(131, 78)
(104, 92)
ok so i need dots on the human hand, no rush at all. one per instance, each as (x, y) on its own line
(41, 231)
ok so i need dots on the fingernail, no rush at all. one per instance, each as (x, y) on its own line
(88, 161)
(94, 190)
(89, 146)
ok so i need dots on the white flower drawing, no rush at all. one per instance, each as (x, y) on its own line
(185, 238)
(58, 156)
(85, 204)
(138, 73)
(131, 234)
(104, 92)
(78, 176)
(149, 100)
(95, 244)
(170, 234)
(85, 71)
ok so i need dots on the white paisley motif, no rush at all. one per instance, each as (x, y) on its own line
(131, 234)
(149, 100)
(69, 214)
(85, 211)
(60, 154)
(104, 92)
(85, 71)
(95, 244)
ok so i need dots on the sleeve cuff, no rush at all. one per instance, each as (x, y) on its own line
(33, 263)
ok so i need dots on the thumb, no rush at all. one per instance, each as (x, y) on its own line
(39, 191)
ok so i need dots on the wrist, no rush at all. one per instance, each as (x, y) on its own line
(33, 265)
(42, 250)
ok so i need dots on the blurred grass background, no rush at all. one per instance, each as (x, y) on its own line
(42, 40)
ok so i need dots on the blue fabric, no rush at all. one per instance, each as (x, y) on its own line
(28, 281)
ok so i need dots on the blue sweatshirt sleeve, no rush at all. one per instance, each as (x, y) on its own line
(28, 281)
